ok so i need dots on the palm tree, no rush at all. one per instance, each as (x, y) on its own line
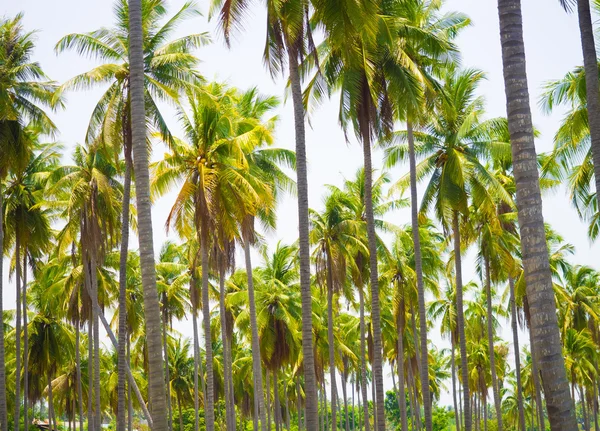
(288, 37)
(592, 91)
(536, 265)
(169, 67)
(24, 91)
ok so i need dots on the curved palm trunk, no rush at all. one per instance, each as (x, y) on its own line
(540, 294)
(276, 402)
(310, 381)
(90, 414)
(129, 398)
(209, 397)
(259, 395)
(156, 387)
(25, 347)
(330, 341)
(515, 333)
(460, 323)
(122, 357)
(400, 363)
(17, 416)
(268, 386)
(3, 410)
(490, 335)
(363, 359)
(453, 366)
(590, 64)
(227, 371)
(424, 370)
(374, 277)
(196, 368)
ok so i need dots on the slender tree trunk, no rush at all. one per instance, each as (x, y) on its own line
(374, 277)
(411, 401)
(78, 366)
(259, 396)
(330, 341)
(51, 418)
(196, 367)
(363, 358)
(400, 363)
(358, 395)
(180, 413)
(90, 372)
(353, 408)
(515, 333)
(540, 294)
(287, 408)
(373, 396)
(276, 401)
(298, 404)
(310, 381)
(490, 334)
(156, 387)
(460, 403)
(586, 423)
(537, 385)
(122, 359)
(417, 404)
(209, 395)
(129, 398)
(229, 414)
(25, 347)
(453, 367)
(268, 384)
(325, 409)
(419, 272)
(595, 406)
(460, 322)
(96, 329)
(18, 332)
(345, 395)
(165, 346)
(3, 410)
(590, 64)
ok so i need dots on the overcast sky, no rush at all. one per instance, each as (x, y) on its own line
(552, 47)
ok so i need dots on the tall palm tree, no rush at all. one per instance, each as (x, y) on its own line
(169, 67)
(24, 91)
(289, 41)
(156, 380)
(536, 264)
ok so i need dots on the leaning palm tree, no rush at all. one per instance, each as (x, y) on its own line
(169, 67)
(536, 264)
(289, 41)
(24, 90)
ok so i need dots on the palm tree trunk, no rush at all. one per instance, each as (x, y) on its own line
(373, 397)
(209, 395)
(196, 368)
(18, 332)
(595, 406)
(363, 358)
(298, 404)
(122, 359)
(352, 387)
(419, 271)
(25, 348)
(374, 277)
(517, 351)
(90, 371)
(78, 367)
(490, 334)
(330, 341)
(325, 409)
(229, 414)
(96, 329)
(268, 407)
(156, 387)
(460, 322)
(3, 410)
(310, 381)
(536, 383)
(287, 407)
(276, 402)
(586, 423)
(400, 364)
(540, 294)
(345, 395)
(167, 371)
(460, 401)
(51, 417)
(259, 396)
(129, 398)
(453, 366)
(417, 404)
(590, 64)
(411, 401)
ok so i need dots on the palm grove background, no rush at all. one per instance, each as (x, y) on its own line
(551, 54)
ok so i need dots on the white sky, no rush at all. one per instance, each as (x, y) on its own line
(552, 45)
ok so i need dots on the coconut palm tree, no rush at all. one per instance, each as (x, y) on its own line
(169, 68)
(24, 92)
(529, 203)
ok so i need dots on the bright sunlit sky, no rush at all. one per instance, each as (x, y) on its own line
(552, 46)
